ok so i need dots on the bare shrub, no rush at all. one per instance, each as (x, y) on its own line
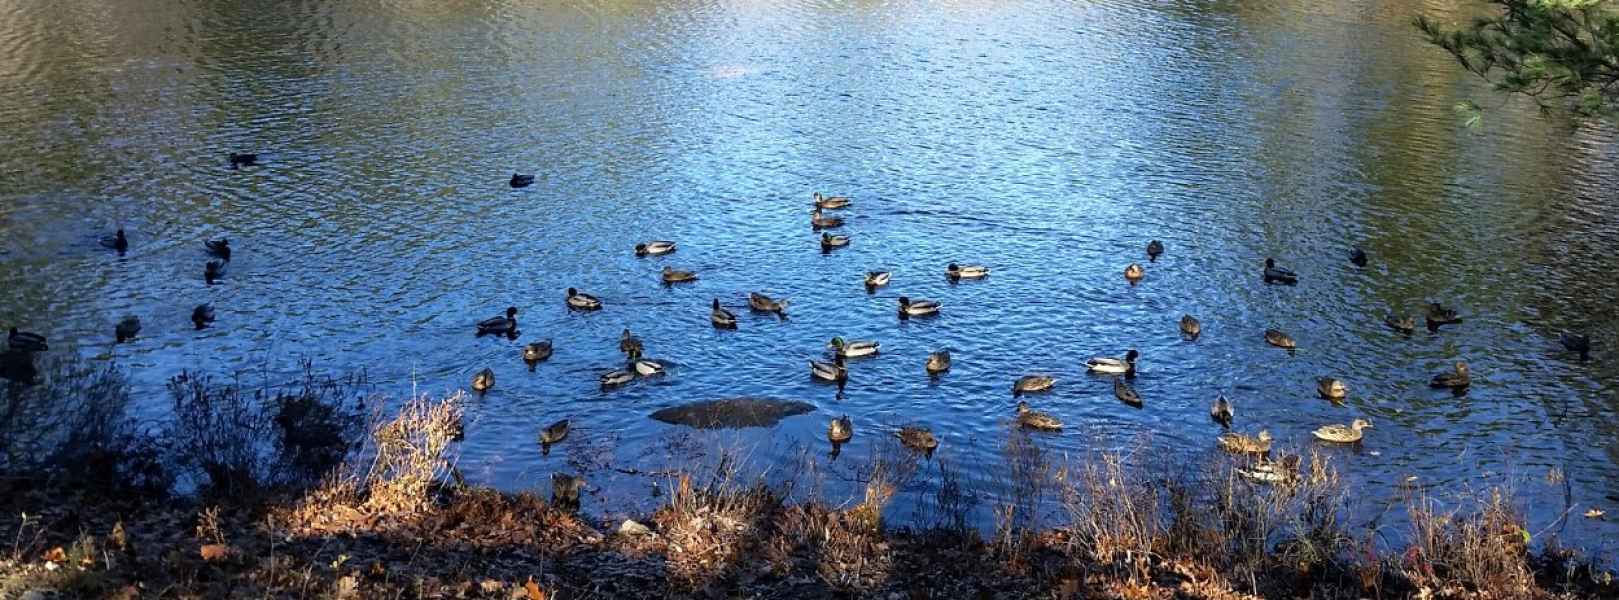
(411, 454)
(1114, 514)
(1480, 545)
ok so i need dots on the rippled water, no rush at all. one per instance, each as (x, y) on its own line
(1049, 141)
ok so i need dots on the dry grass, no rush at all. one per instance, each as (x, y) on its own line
(411, 454)
(1478, 547)
(1114, 514)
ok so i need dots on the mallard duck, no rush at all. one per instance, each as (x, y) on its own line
(1357, 256)
(956, 272)
(1457, 379)
(581, 301)
(127, 329)
(219, 248)
(1222, 412)
(213, 271)
(536, 353)
(1190, 327)
(202, 315)
(830, 202)
(519, 180)
(670, 275)
(630, 345)
(917, 308)
(853, 348)
(720, 317)
(23, 341)
(877, 279)
(648, 368)
(483, 380)
(1405, 325)
(565, 490)
(762, 303)
(1154, 248)
(1277, 338)
(1439, 315)
(654, 248)
(1133, 272)
(1343, 434)
(938, 362)
(1574, 342)
(1114, 366)
(616, 377)
(1029, 384)
(1238, 443)
(829, 241)
(1331, 388)
(116, 242)
(494, 325)
(819, 222)
(918, 437)
(1275, 274)
(1034, 419)
(1267, 471)
(840, 430)
(1125, 393)
(833, 371)
(552, 434)
(244, 159)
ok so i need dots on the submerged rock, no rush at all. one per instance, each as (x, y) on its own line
(732, 413)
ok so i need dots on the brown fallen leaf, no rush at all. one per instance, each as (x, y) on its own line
(533, 589)
(56, 555)
(217, 552)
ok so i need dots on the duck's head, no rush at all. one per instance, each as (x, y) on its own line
(640, 248)
(1264, 435)
(1360, 424)
(511, 312)
(1270, 263)
(837, 342)
(826, 238)
(572, 292)
(1131, 356)
(952, 267)
(120, 235)
(13, 332)
(1461, 368)
(817, 196)
(1022, 407)
(716, 304)
(904, 301)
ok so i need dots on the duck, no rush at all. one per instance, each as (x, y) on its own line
(552, 434)
(670, 275)
(494, 325)
(1277, 338)
(877, 279)
(1275, 274)
(23, 341)
(1154, 248)
(1439, 315)
(127, 328)
(853, 348)
(1331, 388)
(654, 248)
(829, 241)
(840, 430)
(938, 362)
(616, 377)
(116, 242)
(243, 159)
(565, 490)
(831, 202)
(762, 303)
(1125, 393)
(1238, 443)
(721, 318)
(917, 308)
(1342, 434)
(1191, 327)
(630, 345)
(212, 271)
(536, 353)
(918, 437)
(521, 181)
(1034, 419)
(1222, 412)
(1285, 471)
(483, 380)
(1114, 366)
(202, 315)
(219, 248)
(957, 272)
(581, 301)
(819, 222)
(1029, 384)
(1403, 324)
(648, 368)
(1133, 272)
(1456, 379)
(1357, 256)
(833, 371)
(1574, 342)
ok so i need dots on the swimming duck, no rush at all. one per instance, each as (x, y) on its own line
(918, 437)
(762, 303)
(244, 159)
(670, 275)
(829, 371)
(1222, 412)
(1114, 366)
(654, 248)
(840, 430)
(917, 308)
(1357, 256)
(877, 279)
(202, 315)
(214, 270)
(1275, 274)
(720, 317)
(127, 329)
(536, 353)
(830, 202)
(23, 341)
(1405, 325)
(1029, 384)
(616, 377)
(853, 348)
(1154, 248)
(1342, 434)
(483, 380)
(1238, 443)
(648, 368)
(565, 490)
(829, 241)
(630, 345)
(957, 272)
(552, 434)
(116, 242)
(1439, 315)
(219, 248)
(493, 325)
(1190, 327)
(1125, 393)
(1457, 379)
(1331, 388)
(1034, 419)
(1133, 272)
(938, 362)
(1277, 338)
(1285, 471)
(581, 301)
(520, 180)
(819, 222)
(1574, 342)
